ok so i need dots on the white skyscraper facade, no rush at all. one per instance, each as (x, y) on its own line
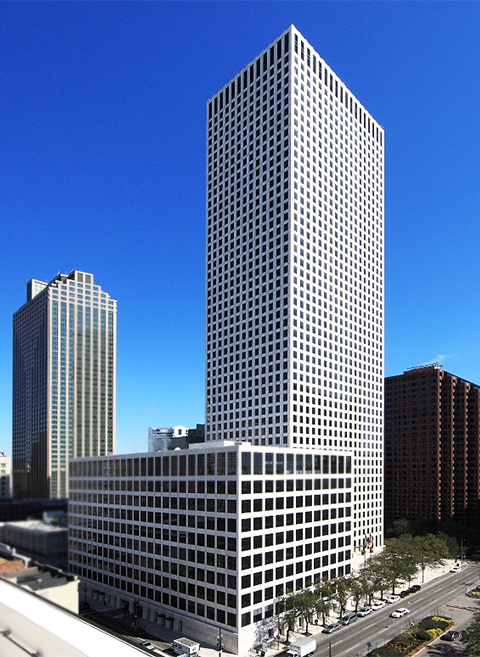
(295, 243)
(64, 381)
(288, 484)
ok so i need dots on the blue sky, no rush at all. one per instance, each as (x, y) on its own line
(102, 162)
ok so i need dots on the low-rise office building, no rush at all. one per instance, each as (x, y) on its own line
(36, 539)
(209, 537)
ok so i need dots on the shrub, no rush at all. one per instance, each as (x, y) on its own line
(433, 633)
(383, 652)
(434, 622)
(429, 635)
(442, 622)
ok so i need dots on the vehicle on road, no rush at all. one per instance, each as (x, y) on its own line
(451, 635)
(415, 588)
(366, 611)
(302, 647)
(147, 645)
(400, 612)
(184, 646)
(330, 629)
(348, 619)
(456, 569)
(378, 604)
(390, 599)
(403, 594)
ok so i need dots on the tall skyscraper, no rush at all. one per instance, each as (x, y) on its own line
(295, 211)
(64, 381)
(288, 484)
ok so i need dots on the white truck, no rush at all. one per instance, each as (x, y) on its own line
(302, 647)
(184, 646)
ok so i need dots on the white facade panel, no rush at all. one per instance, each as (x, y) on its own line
(210, 535)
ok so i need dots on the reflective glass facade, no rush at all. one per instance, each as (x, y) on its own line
(64, 377)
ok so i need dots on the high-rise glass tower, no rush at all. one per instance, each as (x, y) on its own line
(64, 381)
(295, 240)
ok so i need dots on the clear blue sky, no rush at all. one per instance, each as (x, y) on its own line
(102, 129)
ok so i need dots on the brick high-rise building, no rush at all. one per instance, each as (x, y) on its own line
(432, 435)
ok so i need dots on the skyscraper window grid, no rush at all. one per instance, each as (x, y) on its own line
(295, 211)
(64, 381)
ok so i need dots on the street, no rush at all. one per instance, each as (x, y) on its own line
(443, 596)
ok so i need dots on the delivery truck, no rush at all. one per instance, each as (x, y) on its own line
(185, 646)
(302, 647)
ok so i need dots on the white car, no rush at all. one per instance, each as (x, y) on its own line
(390, 599)
(147, 645)
(366, 611)
(456, 569)
(378, 604)
(400, 612)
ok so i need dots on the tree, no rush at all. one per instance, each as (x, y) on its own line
(451, 544)
(376, 574)
(342, 592)
(398, 527)
(399, 565)
(393, 565)
(323, 608)
(360, 587)
(471, 637)
(301, 605)
(427, 549)
(324, 588)
(432, 549)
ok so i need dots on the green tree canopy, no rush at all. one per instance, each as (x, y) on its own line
(302, 604)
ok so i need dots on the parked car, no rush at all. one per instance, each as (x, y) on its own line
(378, 604)
(366, 611)
(348, 619)
(400, 612)
(330, 629)
(415, 588)
(403, 594)
(451, 635)
(390, 599)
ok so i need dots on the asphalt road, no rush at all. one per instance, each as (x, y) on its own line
(443, 596)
